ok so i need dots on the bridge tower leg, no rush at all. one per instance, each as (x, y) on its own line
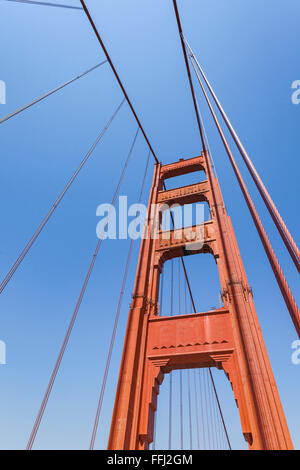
(228, 338)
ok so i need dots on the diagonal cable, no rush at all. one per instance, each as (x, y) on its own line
(46, 4)
(112, 341)
(22, 255)
(77, 306)
(37, 100)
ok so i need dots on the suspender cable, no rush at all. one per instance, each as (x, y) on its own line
(183, 264)
(154, 434)
(189, 380)
(179, 288)
(116, 75)
(161, 293)
(171, 382)
(211, 377)
(205, 387)
(180, 372)
(197, 411)
(172, 287)
(277, 219)
(77, 306)
(22, 255)
(282, 283)
(181, 409)
(212, 420)
(202, 410)
(37, 100)
(188, 284)
(194, 308)
(215, 419)
(219, 407)
(189, 74)
(220, 429)
(117, 316)
(190, 410)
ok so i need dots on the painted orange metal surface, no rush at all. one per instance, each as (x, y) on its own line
(228, 338)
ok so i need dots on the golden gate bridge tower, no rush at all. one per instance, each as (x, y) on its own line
(228, 338)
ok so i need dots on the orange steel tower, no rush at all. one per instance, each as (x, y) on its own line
(228, 338)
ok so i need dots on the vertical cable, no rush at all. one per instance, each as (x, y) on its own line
(202, 410)
(189, 380)
(197, 411)
(161, 293)
(205, 385)
(171, 383)
(219, 424)
(161, 297)
(190, 410)
(180, 372)
(154, 433)
(181, 411)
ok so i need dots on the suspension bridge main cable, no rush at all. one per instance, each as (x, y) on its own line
(77, 306)
(275, 265)
(113, 336)
(96, 31)
(37, 100)
(189, 74)
(277, 219)
(22, 255)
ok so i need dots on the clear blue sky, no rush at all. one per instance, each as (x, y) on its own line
(249, 51)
